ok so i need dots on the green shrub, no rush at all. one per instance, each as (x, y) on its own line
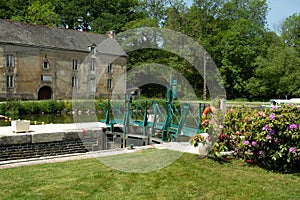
(67, 106)
(267, 138)
(50, 106)
(11, 108)
(2, 108)
(29, 107)
(43, 106)
(16, 108)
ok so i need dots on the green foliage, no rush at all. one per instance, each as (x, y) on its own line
(11, 109)
(234, 33)
(98, 15)
(140, 23)
(290, 31)
(267, 138)
(16, 108)
(16, 9)
(113, 15)
(67, 106)
(29, 107)
(154, 10)
(160, 64)
(276, 74)
(5, 10)
(42, 13)
(197, 139)
(231, 31)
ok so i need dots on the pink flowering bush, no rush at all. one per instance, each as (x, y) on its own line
(269, 138)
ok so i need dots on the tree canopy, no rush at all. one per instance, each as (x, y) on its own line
(254, 62)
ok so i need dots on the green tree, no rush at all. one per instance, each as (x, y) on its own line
(176, 17)
(148, 22)
(71, 13)
(233, 33)
(5, 9)
(197, 22)
(277, 74)
(17, 9)
(290, 31)
(97, 15)
(154, 9)
(238, 50)
(42, 13)
(114, 15)
(241, 41)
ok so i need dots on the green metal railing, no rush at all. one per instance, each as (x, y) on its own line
(171, 117)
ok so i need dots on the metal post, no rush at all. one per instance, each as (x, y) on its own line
(204, 77)
(174, 89)
(168, 113)
(152, 132)
(145, 121)
(128, 101)
(107, 120)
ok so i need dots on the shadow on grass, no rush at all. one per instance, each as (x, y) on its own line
(141, 162)
(220, 160)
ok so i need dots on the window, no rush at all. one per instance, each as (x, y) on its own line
(75, 81)
(92, 65)
(109, 68)
(92, 85)
(10, 60)
(92, 49)
(10, 81)
(46, 65)
(46, 78)
(75, 65)
(109, 84)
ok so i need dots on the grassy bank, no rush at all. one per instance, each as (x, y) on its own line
(187, 178)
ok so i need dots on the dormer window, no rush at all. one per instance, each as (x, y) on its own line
(92, 49)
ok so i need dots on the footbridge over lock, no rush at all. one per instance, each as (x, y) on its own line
(157, 119)
(154, 120)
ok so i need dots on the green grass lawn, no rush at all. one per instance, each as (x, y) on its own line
(187, 178)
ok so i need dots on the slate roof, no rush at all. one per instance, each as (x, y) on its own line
(50, 37)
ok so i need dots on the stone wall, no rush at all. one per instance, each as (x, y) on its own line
(34, 145)
(16, 146)
(28, 71)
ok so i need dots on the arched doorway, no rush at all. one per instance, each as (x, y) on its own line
(45, 92)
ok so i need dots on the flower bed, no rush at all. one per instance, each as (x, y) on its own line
(269, 138)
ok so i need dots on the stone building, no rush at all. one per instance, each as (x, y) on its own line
(41, 62)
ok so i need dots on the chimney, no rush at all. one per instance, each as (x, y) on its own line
(111, 34)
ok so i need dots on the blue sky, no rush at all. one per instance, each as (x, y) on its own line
(279, 10)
